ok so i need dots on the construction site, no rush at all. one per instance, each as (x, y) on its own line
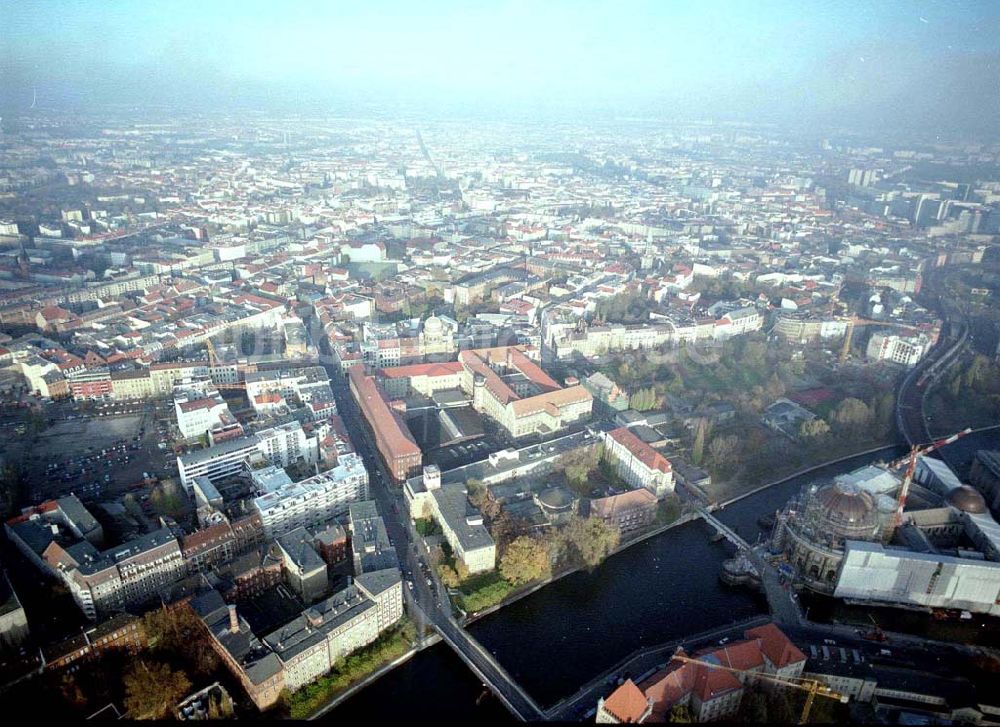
(907, 533)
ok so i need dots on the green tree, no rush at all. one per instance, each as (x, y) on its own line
(152, 688)
(643, 399)
(132, 506)
(698, 450)
(753, 708)
(503, 529)
(885, 410)
(589, 540)
(477, 492)
(220, 706)
(754, 355)
(680, 713)
(852, 415)
(814, 429)
(577, 464)
(975, 372)
(177, 634)
(167, 500)
(723, 453)
(775, 387)
(69, 689)
(526, 559)
(448, 576)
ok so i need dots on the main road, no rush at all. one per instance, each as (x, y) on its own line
(427, 601)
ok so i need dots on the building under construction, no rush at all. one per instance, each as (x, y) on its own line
(851, 538)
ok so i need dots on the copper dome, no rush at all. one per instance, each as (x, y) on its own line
(966, 499)
(845, 503)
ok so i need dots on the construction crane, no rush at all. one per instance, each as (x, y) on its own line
(811, 687)
(853, 321)
(911, 462)
(213, 363)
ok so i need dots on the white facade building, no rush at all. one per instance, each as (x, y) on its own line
(905, 350)
(314, 500)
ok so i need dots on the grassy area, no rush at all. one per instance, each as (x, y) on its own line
(374, 271)
(482, 591)
(355, 667)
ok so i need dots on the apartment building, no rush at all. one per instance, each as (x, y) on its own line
(904, 350)
(599, 340)
(102, 582)
(314, 500)
(208, 547)
(200, 413)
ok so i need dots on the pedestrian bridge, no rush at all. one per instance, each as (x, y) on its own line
(781, 601)
(731, 535)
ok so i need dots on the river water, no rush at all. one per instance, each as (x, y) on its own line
(570, 631)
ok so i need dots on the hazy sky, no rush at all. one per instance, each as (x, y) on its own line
(919, 62)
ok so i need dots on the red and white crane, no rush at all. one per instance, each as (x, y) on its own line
(911, 459)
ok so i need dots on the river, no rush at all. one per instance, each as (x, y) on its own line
(572, 630)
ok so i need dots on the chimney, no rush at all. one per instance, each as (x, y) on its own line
(234, 621)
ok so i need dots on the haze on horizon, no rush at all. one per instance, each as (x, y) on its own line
(920, 65)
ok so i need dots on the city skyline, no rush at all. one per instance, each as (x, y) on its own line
(914, 65)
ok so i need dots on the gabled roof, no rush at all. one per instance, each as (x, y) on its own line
(779, 650)
(627, 703)
(640, 450)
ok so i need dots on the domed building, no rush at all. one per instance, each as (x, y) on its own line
(813, 527)
(436, 337)
(966, 499)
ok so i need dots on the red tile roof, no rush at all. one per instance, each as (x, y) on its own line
(203, 403)
(669, 686)
(429, 369)
(779, 650)
(386, 423)
(640, 450)
(627, 703)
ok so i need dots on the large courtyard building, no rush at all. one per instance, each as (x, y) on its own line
(517, 394)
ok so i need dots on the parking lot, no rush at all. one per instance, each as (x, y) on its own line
(97, 451)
